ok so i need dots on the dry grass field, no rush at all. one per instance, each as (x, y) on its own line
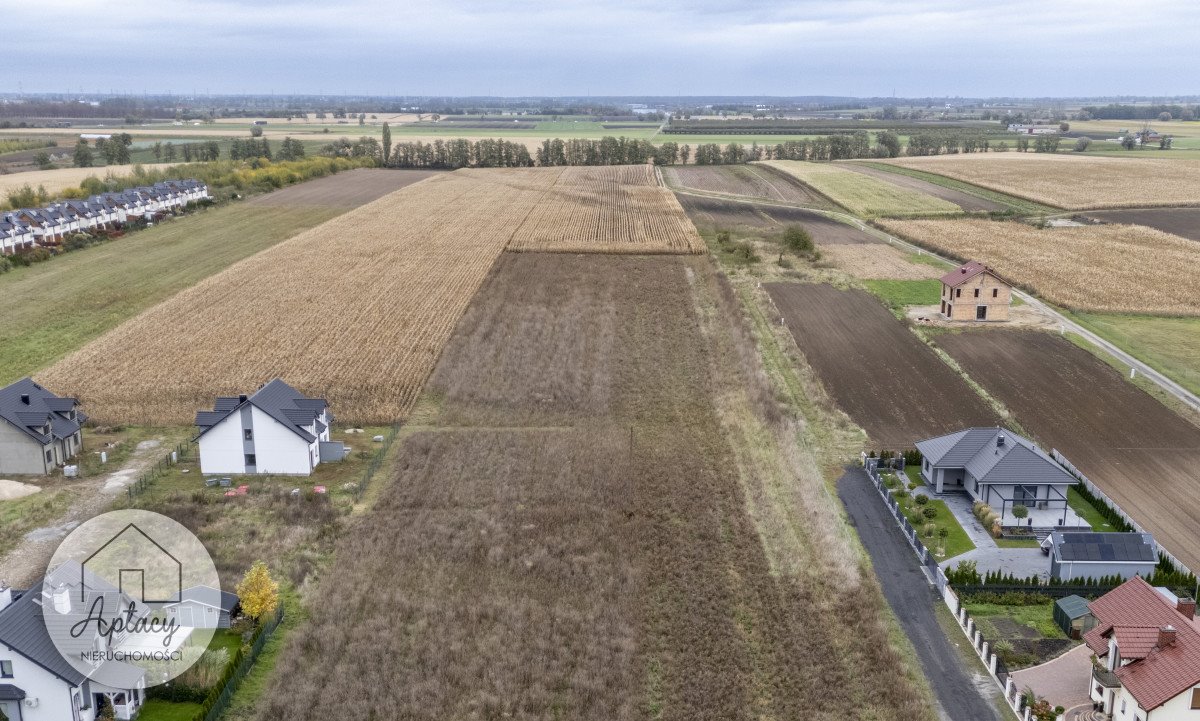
(569, 536)
(1132, 446)
(1070, 181)
(753, 181)
(862, 194)
(350, 188)
(61, 179)
(616, 209)
(355, 310)
(1107, 268)
(870, 261)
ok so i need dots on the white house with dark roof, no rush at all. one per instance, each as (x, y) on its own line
(278, 430)
(998, 467)
(38, 430)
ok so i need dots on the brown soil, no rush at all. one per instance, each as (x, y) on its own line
(568, 537)
(884, 377)
(1184, 222)
(745, 180)
(718, 214)
(1136, 449)
(966, 201)
(348, 189)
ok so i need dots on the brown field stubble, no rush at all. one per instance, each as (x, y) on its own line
(878, 372)
(1106, 268)
(1135, 448)
(616, 209)
(355, 310)
(570, 539)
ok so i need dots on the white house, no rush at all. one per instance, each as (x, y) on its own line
(36, 681)
(1147, 645)
(278, 430)
(995, 466)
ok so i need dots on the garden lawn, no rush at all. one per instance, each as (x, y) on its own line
(1087, 511)
(1040, 618)
(159, 710)
(956, 542)
(906, 292)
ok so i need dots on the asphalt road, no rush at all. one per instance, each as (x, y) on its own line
(913, 600)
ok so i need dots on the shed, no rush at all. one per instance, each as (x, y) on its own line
(1073, 616)
(1097, 555)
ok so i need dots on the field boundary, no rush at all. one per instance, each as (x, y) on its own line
(1015, 202)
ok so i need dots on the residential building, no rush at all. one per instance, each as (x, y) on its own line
(975, 292)
(1147, 644)
(277, 430)
(1097, 555)
(998, 467)
(39, 431)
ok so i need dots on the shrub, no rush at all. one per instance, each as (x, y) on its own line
(921, 500)
(1020, 511)
(31, 256)
(966, 572)
(943, 533)
(928, 529)
(5, 264)
(929, 512)
(723, 237)
(901, 494)
(78, 241)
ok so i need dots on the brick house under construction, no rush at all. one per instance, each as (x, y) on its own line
(974, 292)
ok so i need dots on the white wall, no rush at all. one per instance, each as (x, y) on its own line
(221, 448)
(52, 693)
(1177, 709)
(277, 449)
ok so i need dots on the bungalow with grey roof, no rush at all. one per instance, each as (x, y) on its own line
(38, 430)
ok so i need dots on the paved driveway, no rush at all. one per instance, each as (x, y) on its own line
(987, 555)
(913, 600)
(1063, 681)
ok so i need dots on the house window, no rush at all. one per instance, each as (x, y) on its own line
(248, 434)
(7, 672)
(49, 457)
(958, 292)
(1196, 698)
(250, 460)
(976, 292)
(995, 292)
(1024, 493)
(1122, 707)
(927, 464)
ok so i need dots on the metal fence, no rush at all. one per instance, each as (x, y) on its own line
(224, 698)
(1104, 498)
(180, 452)
(376, 461)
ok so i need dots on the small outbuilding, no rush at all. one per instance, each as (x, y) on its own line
(975, 292)
(1096, 555)
(1073, 616)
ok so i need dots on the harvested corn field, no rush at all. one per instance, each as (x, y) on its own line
(355, 310)
(1073, 182)
(751, 181)
(863, 195)
(1108, 268)
(613, 209)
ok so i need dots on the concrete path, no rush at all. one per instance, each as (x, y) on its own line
(1063, 681)
(987, 555)
(960, 693)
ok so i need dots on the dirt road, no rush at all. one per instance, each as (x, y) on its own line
(26, 564)
(913, 600)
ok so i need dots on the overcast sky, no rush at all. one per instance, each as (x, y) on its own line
(605, 47)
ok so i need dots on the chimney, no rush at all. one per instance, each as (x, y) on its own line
(25, 398)
(5, 595)
(1000, 441)
(1166, 636)
(62, 599)
(1187, 607)
(242, 398)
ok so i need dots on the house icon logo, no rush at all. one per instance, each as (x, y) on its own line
(137, 565)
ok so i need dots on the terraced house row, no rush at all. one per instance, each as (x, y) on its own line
(48, 226)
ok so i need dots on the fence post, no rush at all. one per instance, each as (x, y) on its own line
(992, 664)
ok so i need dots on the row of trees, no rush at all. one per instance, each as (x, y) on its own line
(114, 151)
(460, 153)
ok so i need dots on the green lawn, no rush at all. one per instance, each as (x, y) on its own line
(1087, 511)
(1018, 205)
(1169, 345)
(159, 710)
(863, 195)
(1017, 542)
(52, 308)
(956, 541)
(906, 292)
(914, 474)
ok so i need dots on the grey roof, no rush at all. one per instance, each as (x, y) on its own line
(23, 630)
(43, 408)
(1073, 606)
(291, 408)
(1113, 547)
(8, 692)
(214, 597)
(995, 455)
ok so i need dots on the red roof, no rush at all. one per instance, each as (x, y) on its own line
(965, 272)
(1135, 612)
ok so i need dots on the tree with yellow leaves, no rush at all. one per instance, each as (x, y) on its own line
(258, 592)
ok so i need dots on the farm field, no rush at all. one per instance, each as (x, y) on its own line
(1073, 182)
(863, 196)
(62, 178)
(1170, 345)
(615, 209)
(964, 200)
(884, 377)
(877, 261)
(113, 282)
(530, 560)
(1004, 201)
(711, 214)
(1184, 222)
(1105, 268)
(753, 181)
(1141, 453)
(355, 310)
(348, 189)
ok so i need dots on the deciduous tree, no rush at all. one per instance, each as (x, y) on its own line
(258, 592)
